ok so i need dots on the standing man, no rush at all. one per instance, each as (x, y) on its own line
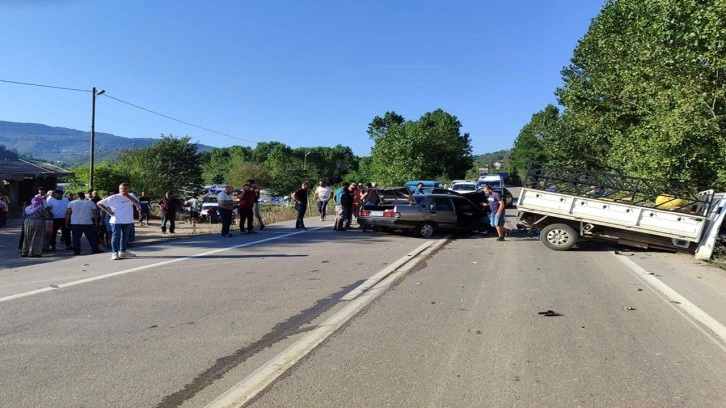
(144, 209)
(57, 204)
(256, 206)
(496, 204)
(322, 195)
(82, 216)
(342, 198)
(120, 208)
(169, 206)
(301, 204)
(225, 202)
(246, 203)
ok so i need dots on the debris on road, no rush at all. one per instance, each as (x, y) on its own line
(550, 313)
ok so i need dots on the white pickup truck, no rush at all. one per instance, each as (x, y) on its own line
(566, 205)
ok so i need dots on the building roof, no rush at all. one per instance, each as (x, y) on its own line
(16, 170)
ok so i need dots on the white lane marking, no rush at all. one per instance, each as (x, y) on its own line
(141, 268)
(250, 387)
(385, 272)
(691, 312)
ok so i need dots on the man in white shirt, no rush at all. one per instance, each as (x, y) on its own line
(121, 209)
(82, 218)
(57, 205)
(226, 204)
(322, 195)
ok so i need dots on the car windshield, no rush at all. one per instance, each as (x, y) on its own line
(464, 187)
(493, 184)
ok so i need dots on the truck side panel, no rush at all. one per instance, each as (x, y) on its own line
(601, 211)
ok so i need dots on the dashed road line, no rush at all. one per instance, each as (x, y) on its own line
(251, 387)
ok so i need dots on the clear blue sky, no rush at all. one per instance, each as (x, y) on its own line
(304, 73)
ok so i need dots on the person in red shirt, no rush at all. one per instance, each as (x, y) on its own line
(246, 203)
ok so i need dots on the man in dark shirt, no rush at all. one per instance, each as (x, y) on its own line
(169, 206)
(496, 204)
(301, 204)
(144, 209)
(343, 201)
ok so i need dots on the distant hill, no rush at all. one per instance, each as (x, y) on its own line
(64, 146)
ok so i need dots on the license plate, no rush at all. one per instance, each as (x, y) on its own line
(376, 213)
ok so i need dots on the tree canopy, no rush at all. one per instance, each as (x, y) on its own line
(645, 93)
(429, 148)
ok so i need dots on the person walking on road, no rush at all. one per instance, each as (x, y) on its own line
(301, 204)
(322, 195)
(169, 206)
(195, 207)
(120, 208)
(144, 209)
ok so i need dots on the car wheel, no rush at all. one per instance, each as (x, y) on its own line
(425, 230)
(559, 237)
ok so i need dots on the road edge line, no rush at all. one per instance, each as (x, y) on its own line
(678, 302)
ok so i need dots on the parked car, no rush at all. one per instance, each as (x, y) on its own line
(464, 187)
(398, 209)
(206, 207)
(208, 201)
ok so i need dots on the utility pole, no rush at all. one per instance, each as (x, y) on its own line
(94, 93)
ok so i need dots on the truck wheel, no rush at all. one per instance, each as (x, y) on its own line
(559, 237)
(425, 230)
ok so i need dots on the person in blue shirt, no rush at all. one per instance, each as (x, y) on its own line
(419, 189)
(496, 204)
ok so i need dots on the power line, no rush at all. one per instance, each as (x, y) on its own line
(174, 119)
(130, 104)
(45, 86)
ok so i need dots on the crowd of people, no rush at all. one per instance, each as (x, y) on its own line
(110, 221)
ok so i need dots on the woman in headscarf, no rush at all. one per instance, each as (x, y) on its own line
(34, 217)
(3, 210)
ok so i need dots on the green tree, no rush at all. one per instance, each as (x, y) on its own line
(216, 165)
(646, 83)
(171, 164)
(107, 176)
(244, 171)
(529, 146)
(430, 148)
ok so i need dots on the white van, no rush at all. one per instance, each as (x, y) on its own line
(496, 182)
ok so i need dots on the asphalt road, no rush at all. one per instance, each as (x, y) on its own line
(188, 320)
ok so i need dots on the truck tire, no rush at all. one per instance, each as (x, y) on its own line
(425, 230)
(559, 237)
